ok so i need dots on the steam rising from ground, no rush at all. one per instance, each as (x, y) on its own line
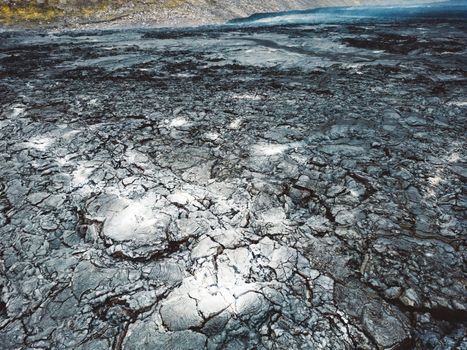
(450, 10)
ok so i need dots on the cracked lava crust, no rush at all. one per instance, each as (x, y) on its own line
(234, 188)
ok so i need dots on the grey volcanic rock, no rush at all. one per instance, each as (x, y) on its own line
(144, 337)
(181, 313)
(294, 187)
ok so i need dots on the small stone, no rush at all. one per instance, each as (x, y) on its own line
(415, 121)
(180, 198)
(180, 313)
(38, 197)
(385, 328)
(393, 292)
(410, 298)
(55, 201)
(48, 223)
(345, 217)
(205, 247)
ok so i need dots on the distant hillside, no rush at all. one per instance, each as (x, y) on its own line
(32, 13)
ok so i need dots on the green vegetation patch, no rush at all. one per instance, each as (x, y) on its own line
(30, 13)
(50, 11)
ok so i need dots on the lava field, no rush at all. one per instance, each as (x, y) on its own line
(288, 187)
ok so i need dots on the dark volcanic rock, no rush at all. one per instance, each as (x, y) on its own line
(234, 188)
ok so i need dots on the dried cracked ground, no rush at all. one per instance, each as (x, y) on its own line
(276, 188)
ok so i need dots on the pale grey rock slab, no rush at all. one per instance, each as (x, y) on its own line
(145, 336)
(205, 247)
(180, 313)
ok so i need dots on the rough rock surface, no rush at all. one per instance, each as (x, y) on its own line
(281, 188)
(76, 13)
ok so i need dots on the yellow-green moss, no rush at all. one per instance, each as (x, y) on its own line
(30, 13)
(35, 14)
(23, 12)
(93, 10)
(6, 11)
